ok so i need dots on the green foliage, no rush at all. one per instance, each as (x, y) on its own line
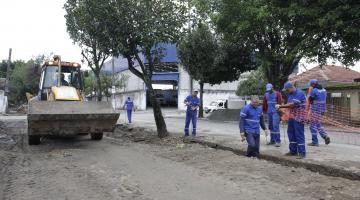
(83, 28)
(283, 32)
(24, 77)
(198, 52)
(209, 60)
(254, 84)
(90, 85)
(134, 27)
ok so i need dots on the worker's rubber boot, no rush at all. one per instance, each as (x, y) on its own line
(313, 145)
(291, 154)
(327, 140)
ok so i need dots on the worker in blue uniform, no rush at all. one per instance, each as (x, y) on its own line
(251, 118)
(297, 104)
(317, 100)
(192, 103)
(129, 105)
(271, 98)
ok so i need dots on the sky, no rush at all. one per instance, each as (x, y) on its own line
(35, 27)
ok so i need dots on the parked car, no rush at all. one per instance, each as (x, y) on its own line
(215, 105)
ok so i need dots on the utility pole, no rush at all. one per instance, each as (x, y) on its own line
(113, 81)
(8, 73)
(189, 29)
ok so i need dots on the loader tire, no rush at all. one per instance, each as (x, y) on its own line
(34, 139)
(96, 136)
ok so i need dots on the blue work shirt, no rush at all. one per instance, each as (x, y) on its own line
(299, 99)
(193, 102)
(251, 118)
(129, 104)
(318, 97)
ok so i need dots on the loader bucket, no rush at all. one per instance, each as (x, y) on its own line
(70, 117)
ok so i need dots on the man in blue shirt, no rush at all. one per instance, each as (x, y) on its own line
(129, 105)
(192, 102)
(271, 98)
(317, 100)
(251, 118)
(297, 104)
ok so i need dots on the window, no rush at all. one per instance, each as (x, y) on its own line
(71, 76)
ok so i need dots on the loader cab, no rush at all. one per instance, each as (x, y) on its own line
(50, 73)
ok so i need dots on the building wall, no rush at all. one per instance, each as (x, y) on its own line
(139, 98)
(354, 103)
(211, 93)
(136, 89)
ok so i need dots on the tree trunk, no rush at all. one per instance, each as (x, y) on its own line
(201, 108)
(159, 119)
(99, 87)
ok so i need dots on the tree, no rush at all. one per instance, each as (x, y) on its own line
(253, 83)
(120, 81)
(133, 29)
(207, 60)
(24, 77)
(83, 28)
(283, 32)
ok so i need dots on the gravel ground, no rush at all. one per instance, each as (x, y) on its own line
(134, 164)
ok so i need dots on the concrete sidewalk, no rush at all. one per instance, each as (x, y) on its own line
(337, 159)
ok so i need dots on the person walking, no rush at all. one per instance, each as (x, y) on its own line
(251, 119)
(129, 105)
(270, 100)
(192, 103)
(296, 103)
(317, 101)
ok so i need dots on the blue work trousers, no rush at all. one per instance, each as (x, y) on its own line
(296, 137)
(274, 127)
(190, 116)
(315, 127)
(129, 112)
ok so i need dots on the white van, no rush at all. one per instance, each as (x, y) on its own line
(215, 105)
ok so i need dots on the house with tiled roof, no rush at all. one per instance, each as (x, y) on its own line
(343, 88)
(327, 75)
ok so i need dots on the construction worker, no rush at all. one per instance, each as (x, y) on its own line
(129, 105)
(317, 100)
(63, 81)
(271, 98)
(251, 118)
(192, 103)
(297, 104)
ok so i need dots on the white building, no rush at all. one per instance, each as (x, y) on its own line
(172, 76)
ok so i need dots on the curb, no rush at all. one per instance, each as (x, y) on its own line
(321, 169)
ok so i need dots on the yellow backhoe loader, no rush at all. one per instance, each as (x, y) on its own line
(60, 107)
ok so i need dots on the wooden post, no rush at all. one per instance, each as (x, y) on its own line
(8, 73)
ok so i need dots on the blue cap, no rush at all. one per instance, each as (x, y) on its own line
(269, 87)
(287, 85)
(313, 81)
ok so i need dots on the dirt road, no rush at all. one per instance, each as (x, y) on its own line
(79, 168)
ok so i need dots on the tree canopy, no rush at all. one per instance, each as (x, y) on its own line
(283, 32)
(253, 83)
(133, 29)
(208, 60)
(83, 28)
